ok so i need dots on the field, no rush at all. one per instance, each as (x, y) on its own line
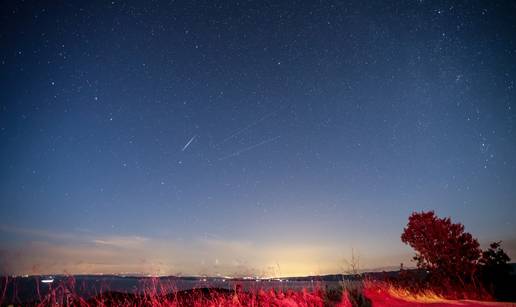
(118, 291)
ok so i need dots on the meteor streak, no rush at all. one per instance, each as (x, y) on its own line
(236, 153)
(189, 142)
(256, 122)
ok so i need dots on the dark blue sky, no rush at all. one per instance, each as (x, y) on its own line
(250, 137)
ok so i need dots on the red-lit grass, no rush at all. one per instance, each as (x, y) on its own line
(384, 294)
(159, 292)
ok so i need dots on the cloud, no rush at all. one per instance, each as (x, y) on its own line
(31, 232)
(121, 241)
(46, 252)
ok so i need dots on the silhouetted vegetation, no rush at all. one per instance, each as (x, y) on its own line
(495, 273)
(451, 261)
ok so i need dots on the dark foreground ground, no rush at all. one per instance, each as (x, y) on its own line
(172, 291)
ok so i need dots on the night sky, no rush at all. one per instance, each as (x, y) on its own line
(265, 138)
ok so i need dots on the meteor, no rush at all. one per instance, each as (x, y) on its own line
(251, 125)
(189, 142)
(236, 153)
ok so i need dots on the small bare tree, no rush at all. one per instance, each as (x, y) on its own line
(351, 267)
(354, 288)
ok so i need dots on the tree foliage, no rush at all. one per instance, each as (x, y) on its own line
(442, 248)
(495, 257)
(495, 272)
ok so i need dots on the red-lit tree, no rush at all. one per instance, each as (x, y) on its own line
(449, 254)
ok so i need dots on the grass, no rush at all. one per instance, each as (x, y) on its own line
(154, 292)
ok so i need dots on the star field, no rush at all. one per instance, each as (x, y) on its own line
(226, 137)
